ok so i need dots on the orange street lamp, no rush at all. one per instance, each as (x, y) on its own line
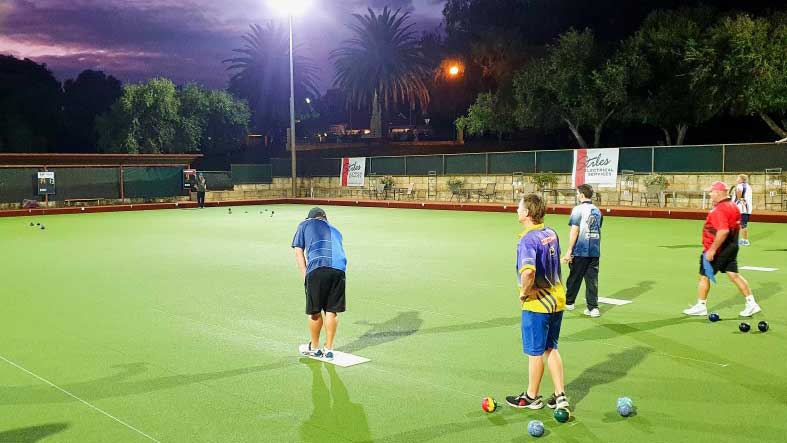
(451, 69)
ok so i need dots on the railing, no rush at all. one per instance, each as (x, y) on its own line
(697, 159)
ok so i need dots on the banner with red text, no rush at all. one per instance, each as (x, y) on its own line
(353, 171)
(596, 167)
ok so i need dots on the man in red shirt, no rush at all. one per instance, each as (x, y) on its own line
(720, 249)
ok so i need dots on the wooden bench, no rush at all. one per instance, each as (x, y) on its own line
(71, 201)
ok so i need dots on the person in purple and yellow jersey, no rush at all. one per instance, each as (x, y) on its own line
(543, 298)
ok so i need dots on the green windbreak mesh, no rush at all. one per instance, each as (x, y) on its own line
(17, 184)
(555, 161)
(465, 164)
(637, 160)
(74, 183)
(688, 159)
(509, 162)
(218, 180)
(322, 167)
(152, 181)
(755, 158)
(250, 174)
(387, 166)
(422, 165)
(282, 167)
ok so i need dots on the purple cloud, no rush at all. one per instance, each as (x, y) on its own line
(181, 39)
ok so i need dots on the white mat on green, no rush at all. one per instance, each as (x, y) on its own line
(340, 358)
(757, 268)
(613, 301)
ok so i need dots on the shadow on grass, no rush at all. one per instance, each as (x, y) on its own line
(632, 292)
(32, 434)
(120, 385)
(503, 417)
(763, 292)
(761, 235)
(751, 377)
(605, 331)
(698, 246)
(614, 368)
(404, 324)
(334, 413)
(486, 324)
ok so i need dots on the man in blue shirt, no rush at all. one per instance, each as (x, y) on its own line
(320, 257)
(584, 250)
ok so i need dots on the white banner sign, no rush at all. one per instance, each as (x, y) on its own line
(597, 167)
(353, 171)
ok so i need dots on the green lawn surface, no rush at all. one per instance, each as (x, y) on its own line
(183, 326)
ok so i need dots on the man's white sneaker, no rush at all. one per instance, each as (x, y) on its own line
(750, 310)
(307, 349)
(700, 309)
(595, 313)
(570, 307)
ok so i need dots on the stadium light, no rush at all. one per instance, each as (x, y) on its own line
(291, 8)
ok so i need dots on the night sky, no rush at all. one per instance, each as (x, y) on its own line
(184, 40)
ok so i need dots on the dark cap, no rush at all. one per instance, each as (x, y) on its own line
(317, 212)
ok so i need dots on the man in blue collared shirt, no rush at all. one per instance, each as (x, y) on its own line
(320, 257)
(584, 250)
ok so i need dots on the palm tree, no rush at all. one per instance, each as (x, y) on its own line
(262, 76)
(383, 57)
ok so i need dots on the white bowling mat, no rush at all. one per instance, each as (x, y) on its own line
(342, 359)
(756, 268)
(613, 301)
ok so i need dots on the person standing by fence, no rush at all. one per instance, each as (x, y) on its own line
(202, 187)
(743, 199)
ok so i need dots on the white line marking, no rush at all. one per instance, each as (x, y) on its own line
(95, 408)
(756, 268)
(722, 365)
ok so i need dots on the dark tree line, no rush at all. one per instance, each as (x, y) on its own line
(38, 114)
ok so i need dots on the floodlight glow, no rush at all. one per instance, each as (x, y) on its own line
(289, 7)
(454, 70)
(308, 101)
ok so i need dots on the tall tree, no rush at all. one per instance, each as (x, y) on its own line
(30, 101)
(156, 117)
(540, 21)
(487, 114)
(745, 63)
(262, 76)
(669, 99)
(576, 86)
(385, 58)
(218, 121)
(147, 120)
(92, 93)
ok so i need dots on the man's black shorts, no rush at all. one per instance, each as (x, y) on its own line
(325, 291)
(725, 261)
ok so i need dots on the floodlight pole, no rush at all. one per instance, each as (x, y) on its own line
(292, 114)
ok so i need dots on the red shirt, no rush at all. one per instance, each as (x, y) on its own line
(724, 216)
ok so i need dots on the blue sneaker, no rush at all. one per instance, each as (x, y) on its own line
(329, 354)
(318, 353)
